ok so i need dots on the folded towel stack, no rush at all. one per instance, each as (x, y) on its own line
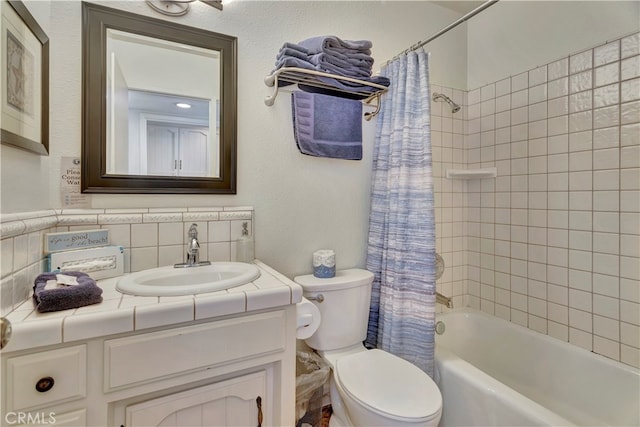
(49, 294)
(330, 54)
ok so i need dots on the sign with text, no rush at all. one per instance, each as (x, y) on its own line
(72, 197)
(57, 242)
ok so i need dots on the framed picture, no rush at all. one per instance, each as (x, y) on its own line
(24, 72)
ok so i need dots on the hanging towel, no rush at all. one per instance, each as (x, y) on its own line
(46, 298)
(327, 126)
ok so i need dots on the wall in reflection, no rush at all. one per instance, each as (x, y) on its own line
(162, 107)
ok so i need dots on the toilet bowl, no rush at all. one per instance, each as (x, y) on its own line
(368, 387)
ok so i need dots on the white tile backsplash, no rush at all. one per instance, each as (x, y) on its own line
(170, 233)
(150, 237)
(143, 235)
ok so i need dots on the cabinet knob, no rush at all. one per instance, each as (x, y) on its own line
(5, 332)
(45, 384)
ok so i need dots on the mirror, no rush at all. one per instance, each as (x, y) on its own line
(159, 106)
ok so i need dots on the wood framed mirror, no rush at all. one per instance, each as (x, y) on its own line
(159, 106)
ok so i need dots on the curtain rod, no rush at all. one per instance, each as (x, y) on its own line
(451, 26)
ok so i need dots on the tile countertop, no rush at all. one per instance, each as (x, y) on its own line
(120, 313)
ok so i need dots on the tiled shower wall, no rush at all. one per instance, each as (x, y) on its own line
(552, 243)
(151, 238)
(448, 151)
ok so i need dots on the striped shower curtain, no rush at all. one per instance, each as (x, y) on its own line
(401, 245)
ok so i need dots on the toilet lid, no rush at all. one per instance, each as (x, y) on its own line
(389, 385)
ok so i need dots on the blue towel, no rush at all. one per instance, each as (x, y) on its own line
(329, 54)
(288, 45)
(332, 55)
(291, 52)
(86, 292)
(321, 44)
(349, 71)
(327, 126)
(338, 84)
(345, 60)
(356, 59)
(336, 65)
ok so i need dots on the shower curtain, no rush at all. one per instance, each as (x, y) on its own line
(401, 243)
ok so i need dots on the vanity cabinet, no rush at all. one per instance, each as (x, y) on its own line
(235, 402)
(236, 370)
(46, 378)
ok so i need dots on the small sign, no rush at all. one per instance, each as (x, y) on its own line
(57, 242)
(72, 196)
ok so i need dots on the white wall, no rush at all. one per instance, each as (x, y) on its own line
(25, 176)
(512, 36)
(301, 203)
(448, 59)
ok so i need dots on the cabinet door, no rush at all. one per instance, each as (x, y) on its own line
(194, 153)
(228, 403)
(45, 378)
(162, 142)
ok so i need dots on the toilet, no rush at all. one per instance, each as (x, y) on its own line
(367, 387)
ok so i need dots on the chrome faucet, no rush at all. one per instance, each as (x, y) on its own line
(193, 249)
(193, 246)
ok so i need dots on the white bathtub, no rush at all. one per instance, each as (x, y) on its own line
(495, 373)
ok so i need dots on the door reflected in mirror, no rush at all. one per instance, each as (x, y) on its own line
(161, 120)
(137, 73)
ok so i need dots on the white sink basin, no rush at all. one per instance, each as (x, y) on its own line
(170, 281)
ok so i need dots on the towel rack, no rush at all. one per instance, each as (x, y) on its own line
(368, 92)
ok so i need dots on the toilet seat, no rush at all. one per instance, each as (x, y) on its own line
(388, 385)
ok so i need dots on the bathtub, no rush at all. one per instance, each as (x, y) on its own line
(495, 373)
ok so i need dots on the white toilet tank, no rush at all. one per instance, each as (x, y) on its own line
(344, 309)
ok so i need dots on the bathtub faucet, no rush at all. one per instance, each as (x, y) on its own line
(193, 249)
(446, 301)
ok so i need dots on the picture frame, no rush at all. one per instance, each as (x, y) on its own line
(24, 76)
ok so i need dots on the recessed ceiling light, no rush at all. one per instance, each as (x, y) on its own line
(183, 105)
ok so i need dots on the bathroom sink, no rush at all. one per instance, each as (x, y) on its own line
(170, 281)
